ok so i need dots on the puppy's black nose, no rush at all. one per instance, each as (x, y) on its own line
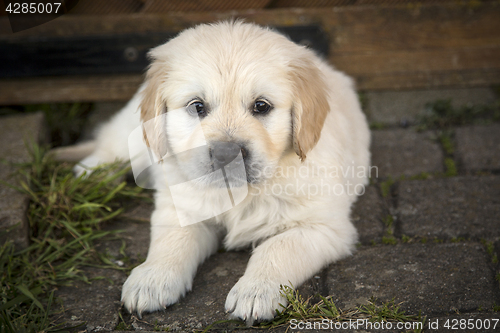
(223, 153)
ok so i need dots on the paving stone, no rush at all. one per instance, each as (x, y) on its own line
(406, 152)
(205, 303)
(136, 236)
(450, 207)
(134, 226)
(433, 278)
(95, 306)
(13, 132)
(395, 107)
(368, 214)
(478, 147)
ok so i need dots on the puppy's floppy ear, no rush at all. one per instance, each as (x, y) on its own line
(310, 105)
(153, 107)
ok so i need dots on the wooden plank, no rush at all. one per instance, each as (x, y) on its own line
(122, 87)
(90, 55)
(428, 80)
(107, 54)
(362, 29)
(162, 6)
(383, 47)
(425, 60)
(69, 89)
(354, 28)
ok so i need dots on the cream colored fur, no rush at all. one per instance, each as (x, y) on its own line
(316, 125)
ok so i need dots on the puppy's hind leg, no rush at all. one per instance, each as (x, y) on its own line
(74, 153)
(111, 142)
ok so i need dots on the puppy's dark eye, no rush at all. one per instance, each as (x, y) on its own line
(261, 107)
(196, 107)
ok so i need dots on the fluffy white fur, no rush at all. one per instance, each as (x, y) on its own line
(294, 232)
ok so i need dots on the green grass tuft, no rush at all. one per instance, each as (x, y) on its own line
(377, 126)
(389, 240)
(451, 168)
(445, 138)
(388, 311)
(421, 176)
(458, 239)
(65, 215)
(490, 248)
(303, 310)
(385, 187)
(442, 115)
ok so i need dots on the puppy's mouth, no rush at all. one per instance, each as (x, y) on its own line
(218, 165)
(233, 161)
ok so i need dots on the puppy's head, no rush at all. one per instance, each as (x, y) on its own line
(233, 92)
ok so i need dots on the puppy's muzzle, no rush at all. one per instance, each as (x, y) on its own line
(223, 153)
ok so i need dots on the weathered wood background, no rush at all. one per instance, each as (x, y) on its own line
(399, 45)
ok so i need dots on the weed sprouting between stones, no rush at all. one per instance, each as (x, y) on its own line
(490, 249)
(65, 215)
(300, 309)
(385, 187)
(389, 238)
(442, 115)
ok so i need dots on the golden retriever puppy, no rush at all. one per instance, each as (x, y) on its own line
(256, 142)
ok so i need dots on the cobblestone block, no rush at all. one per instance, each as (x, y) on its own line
(478, 147)
(14, 130)
(433, 278)
(368, 214)
(405, 152)
(205, 303)
(135, 231)
(450, 207)
(394, 107)
(96, 305)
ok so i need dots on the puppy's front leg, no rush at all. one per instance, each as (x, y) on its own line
(287, 258)
(174, 255)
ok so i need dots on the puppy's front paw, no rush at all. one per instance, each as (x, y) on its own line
(153, 287)
(254, 300)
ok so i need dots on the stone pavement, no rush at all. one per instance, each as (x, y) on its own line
(15, 133)
(428, 241)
